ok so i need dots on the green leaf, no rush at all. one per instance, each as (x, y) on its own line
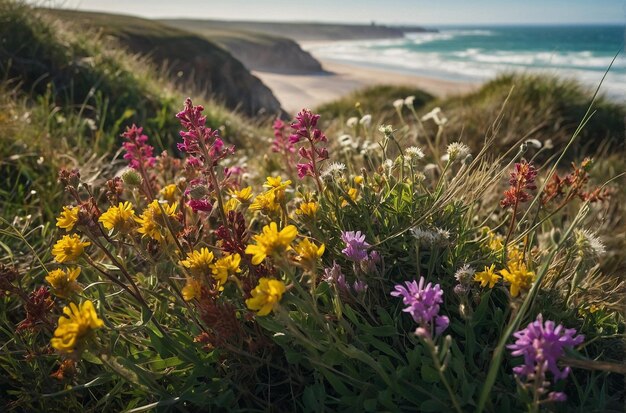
(429, 374)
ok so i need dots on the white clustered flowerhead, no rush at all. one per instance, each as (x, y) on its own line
(589, 243)
(398, 103)
(465, 274)
(345, 140)
(386, 129)
(457, 150)
(332, 169)
(431, 238)
(436, 115)
(388, 164)
(408, 101)
(352, 122)
(413, 152)
(366, 121)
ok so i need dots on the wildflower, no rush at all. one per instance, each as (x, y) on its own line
(386, 130)
(488, 276)
(542, 344)
(334, 276)
(408, 101)
(309, 253)
(119, 217)
(192, 289)
(358, 180)
(68, 248)
(518, 276)
(151, 221)
(413, 153)
(266, 296)
(138, 152)
(356, 246)
(353, 194)
(169, 193)
(266, 202)
(335, 168)
(226, 266)
(588, 243)
(359, 286)
(63, 283)
(437, 116)
(398, 104)
(305, 127)
(431, 238)
(457, 150)
(75, 327)
(308, 209)
(495, 242)
(242, 195)
(522, 178)
(423, 303)
(352, 122)
(198, 262)
(276, 183)
(38, 306)
(271, 241)
(68, 218)
(366, 121)
(281, 142)
(464, 274)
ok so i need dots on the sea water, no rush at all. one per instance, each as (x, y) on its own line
(475, 54)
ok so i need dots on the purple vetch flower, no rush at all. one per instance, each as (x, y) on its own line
(138, 152)
(423, 303)
(356, 246)
(200, 205)
(542, 344)
(359, 286)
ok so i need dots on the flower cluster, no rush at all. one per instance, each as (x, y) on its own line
(542, 344)
(305, 127)
(522, 179)
(423, 303)
(75, 326)
(138, 152)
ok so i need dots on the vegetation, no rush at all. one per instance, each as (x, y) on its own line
(340, 266)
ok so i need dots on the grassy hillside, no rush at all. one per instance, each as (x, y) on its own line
(189, 60)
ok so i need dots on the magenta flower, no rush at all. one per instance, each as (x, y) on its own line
(282, 143)
(305, 128)
(356, 246)
(138, 152)
(423, 303)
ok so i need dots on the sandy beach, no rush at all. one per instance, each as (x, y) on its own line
(298, 91)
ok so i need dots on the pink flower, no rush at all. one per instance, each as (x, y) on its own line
(138, 152)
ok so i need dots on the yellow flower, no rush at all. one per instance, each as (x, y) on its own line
(266, 296)
(119, 217)
(518, 276)
(198, 262)
(169, 193)
(63, 283)
(308, 209)
(226, 266)
(68, 248)
(243, 195)
(231, 205)
(494, 241)
(276, 183)
(514, 255)
(191, 290)
(68, 218)
(309, 253)
(266, 203)
(353, 193)
(358, 179)
(271, 241)
(488, 276)
(78, 323)
(151, 221)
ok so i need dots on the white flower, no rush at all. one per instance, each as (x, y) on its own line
(457, 150)
(366, 121)
(413, 152)
(388, 164)
(588, 243)
(431, 238)
(464, 274)
(386, 129)
(533, 142)
(436, 115)
(352, 122)
(345, 140)
(408, 101)
(332, 169)
(398, 103)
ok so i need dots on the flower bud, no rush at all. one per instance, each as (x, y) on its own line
(132, 178)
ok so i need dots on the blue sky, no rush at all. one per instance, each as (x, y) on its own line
(386, 11)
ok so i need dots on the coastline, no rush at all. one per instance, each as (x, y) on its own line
(297, 91)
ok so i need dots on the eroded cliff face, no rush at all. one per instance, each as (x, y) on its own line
(281, 55)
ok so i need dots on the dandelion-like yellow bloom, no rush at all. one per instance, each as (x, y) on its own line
(276, 183)
(309, 253)
(488, 276)
(495, 242)
(271, 241)
(68, 218)
(231, 205)
(63, 283)
(358, 180)
(243, 195)
(353, 193)
(518, 276)
(76, 325)
(198, 262)
(151, 221)
(266, 296)
(226, 266)
(169, 193)
(120, 217)
(191, 290)
(308, 209)
(68, 248)
(266, 203)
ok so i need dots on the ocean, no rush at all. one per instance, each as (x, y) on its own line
(475, 54)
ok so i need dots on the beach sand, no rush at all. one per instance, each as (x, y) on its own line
(299, 91)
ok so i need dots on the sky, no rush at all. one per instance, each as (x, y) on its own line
(421, 12)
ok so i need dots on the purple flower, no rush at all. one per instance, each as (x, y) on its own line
(197, 205)
(359, 286)
(281, 142)
(423, 303)
(138, 152)
(305, 127)
(542, 344)
(356, 247)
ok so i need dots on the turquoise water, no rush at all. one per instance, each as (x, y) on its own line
(479, 53)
